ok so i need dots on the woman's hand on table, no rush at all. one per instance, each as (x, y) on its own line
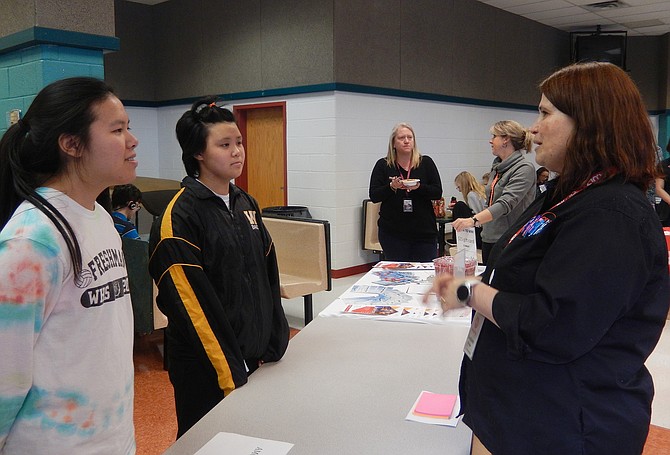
(444, 287)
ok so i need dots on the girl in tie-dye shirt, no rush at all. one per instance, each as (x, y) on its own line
(66, 328)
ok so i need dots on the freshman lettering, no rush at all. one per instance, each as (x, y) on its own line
(106, 260)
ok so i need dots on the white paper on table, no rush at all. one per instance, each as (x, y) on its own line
(459, 264)
(237, 444)
(407, 298)
(419, 289)
(465, 241)
(432, 421)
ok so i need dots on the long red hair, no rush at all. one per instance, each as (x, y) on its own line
(612, 128)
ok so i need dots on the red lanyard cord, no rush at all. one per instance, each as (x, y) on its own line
(409, 169)
(537, 223)
(400, 170)
(493, 187)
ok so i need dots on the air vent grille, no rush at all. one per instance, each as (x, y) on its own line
(606, 5)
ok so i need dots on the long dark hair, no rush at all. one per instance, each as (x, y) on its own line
(30, 153)
(193, 129)
(612, 128)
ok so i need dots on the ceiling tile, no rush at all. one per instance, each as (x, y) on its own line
(568, 14)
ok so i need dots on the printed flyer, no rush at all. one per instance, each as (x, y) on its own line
(395, 291)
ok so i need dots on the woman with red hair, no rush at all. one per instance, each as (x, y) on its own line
(567, 321)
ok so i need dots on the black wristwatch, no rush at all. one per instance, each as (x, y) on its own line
(476, 221)
(464, 291)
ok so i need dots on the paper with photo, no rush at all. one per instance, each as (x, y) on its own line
(404, 265)
(465, 241)
(395, 294)
(237, 444)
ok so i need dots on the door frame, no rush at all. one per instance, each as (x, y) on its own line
(241, 112)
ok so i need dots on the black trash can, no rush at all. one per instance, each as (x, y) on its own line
(293, 211)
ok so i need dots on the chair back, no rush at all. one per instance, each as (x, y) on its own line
(303, 254)
(156, 201)
(370, 229)
(141, 286)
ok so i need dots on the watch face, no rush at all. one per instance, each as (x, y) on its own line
(463, 293)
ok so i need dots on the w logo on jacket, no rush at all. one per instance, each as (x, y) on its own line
(251, 216)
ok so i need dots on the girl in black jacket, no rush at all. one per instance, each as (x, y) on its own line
(216, 270)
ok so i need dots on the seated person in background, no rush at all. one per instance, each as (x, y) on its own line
(126, 202)
(542, 177)
(474, 195)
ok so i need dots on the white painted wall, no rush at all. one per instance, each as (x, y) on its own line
(333, 141)
(144, 125)
(455, 136)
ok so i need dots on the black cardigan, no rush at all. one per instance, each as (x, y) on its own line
(581, 306)
(420, 224)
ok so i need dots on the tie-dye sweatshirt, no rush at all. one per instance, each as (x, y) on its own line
(66, 372)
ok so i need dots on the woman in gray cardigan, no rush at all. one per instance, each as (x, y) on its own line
(511, 186)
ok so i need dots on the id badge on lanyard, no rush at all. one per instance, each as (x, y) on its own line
(473, 335)
(407, 202)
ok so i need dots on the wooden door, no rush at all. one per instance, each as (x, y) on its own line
(263, 128)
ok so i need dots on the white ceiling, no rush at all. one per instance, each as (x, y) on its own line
(637, 17)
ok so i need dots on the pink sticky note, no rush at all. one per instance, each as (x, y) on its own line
(435, 405)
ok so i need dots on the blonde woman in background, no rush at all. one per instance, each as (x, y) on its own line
(474, 193)
(474, 200)
(511, 187)
(407, 224)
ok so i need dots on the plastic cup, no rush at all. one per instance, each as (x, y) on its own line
(470, 266)
(444, 264)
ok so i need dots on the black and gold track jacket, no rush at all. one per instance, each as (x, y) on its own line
(218, 282)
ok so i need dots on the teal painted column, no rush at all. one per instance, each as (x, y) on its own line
(33, 58)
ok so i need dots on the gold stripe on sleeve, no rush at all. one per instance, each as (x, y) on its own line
(166, 222)
(194, 309)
